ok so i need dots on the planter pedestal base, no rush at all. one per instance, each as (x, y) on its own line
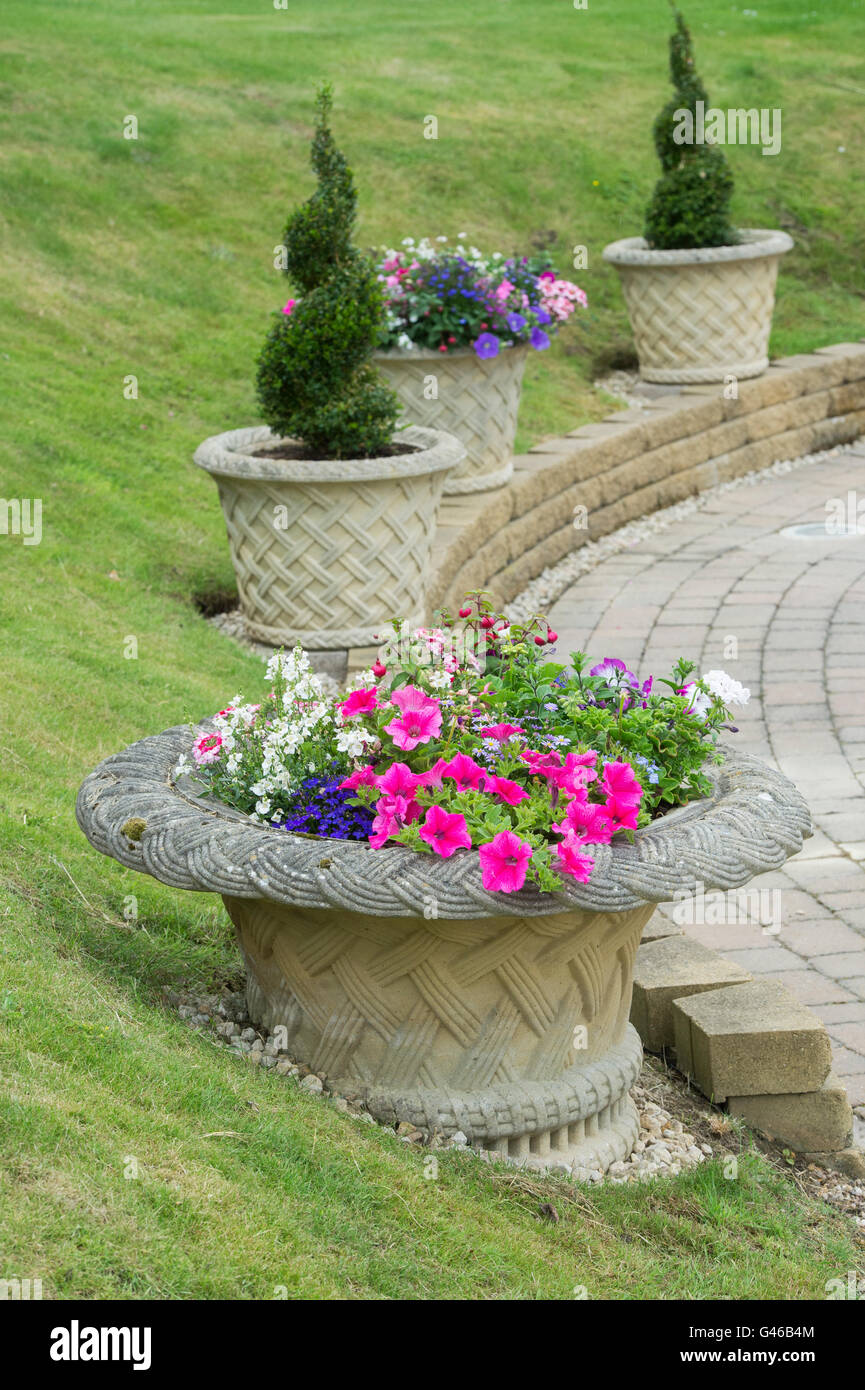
(513, 1030)
(590, 1145)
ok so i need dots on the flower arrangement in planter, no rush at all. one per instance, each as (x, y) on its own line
(439, 880)
(471, 738)
(459, 326)
(329, 511)
(699, 291)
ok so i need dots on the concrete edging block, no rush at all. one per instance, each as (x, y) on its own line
(669, 968)
(750, 1039)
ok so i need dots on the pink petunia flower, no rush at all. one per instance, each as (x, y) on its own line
(507, 791)
(410, 697)
(541, 764)
(622, 814)
(206, 750)
(587, 821)
(465, 772)
(359, 702)
(501, 732)
(577, 772)
(572, 861)
(619, 781)
(393, 813)
(504, 862)
(399, 780)
(421, 718)
(401, 808)
(445, 831)
(289, 306)
(433, 778)
(363, 777)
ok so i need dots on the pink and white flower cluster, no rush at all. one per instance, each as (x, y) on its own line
(560, 297)
(470, 738)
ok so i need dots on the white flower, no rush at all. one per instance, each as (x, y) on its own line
(699, 702)
(364, 680)
(354, 740)
(728, 690)
(183, 766)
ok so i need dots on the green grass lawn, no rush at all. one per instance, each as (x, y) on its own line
(153, 258)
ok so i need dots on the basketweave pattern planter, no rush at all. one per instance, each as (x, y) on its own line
(325, 552)
(704, 314)
(477, 401)
(501, 1015)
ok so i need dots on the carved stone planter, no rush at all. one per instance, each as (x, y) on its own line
(402, 979)
(703, 314)
(326, 551)
(476, 400)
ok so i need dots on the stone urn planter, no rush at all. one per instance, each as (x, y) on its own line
(703, 314)
(397, 975)
(325, 551)
(476, 400)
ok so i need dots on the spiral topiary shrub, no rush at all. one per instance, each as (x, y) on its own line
(315, 380)
(690, 205)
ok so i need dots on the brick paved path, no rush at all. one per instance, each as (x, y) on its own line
(796, 608)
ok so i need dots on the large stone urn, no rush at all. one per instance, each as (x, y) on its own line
(401, 978)
(702, 314)
(475, 399)
(326, 551)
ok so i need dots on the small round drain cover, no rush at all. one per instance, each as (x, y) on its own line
(821, 531)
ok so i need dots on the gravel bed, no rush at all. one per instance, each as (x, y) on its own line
(678, 1129)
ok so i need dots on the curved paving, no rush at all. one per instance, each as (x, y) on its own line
(786, 617)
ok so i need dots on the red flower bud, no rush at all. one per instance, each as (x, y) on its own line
(465, 612)
(540, 641)
(552, 636)
(487, 621)
(378, 670)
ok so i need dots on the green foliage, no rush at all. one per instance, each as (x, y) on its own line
(315, 380)
(690, 205)
(663, 737)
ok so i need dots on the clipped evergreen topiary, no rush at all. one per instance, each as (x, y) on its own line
(315, 380)
(690, 205)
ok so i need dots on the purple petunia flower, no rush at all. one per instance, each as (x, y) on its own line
(539, 339)
(542, 316)
(487, 345)
(613, 670)
(515, 322)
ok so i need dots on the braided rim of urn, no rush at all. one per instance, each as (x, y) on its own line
(232, 455)
(131, 808)
(755, 243)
